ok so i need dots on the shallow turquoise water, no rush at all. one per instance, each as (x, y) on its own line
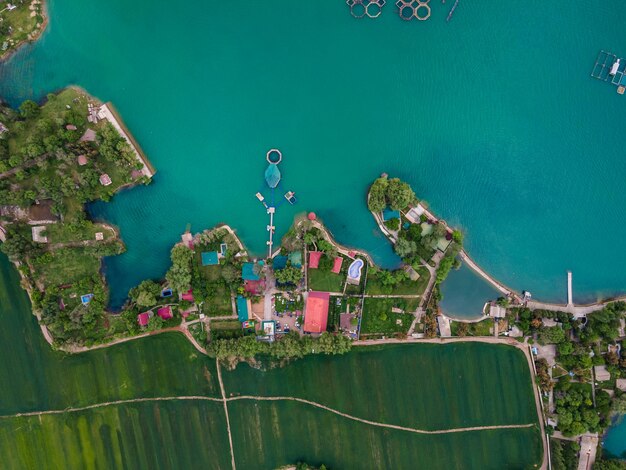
(492, 117)
(615, 440)
(465, 293)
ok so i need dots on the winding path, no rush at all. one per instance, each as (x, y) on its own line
(260, 398)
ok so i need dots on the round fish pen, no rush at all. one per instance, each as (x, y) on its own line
(409, 9)
(274, 156)
(363, 8)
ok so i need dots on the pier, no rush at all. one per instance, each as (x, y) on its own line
(570, 301)
(456, 4)
(270, 229)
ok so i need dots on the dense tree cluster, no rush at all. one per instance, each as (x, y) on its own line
(389, 192)
(179, 275)
(289, 275)
(290, 346)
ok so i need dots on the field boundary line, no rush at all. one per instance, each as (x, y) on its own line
(225, 401)
(110, 403)
(382, 425)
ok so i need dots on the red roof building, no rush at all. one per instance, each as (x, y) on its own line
(337, 264)
(188, 296)
(314, 259)
(144, 318)
(82, 160)
(254, 287)
(165, 313)
(316, 313)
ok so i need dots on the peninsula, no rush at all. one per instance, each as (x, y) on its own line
(21, 21)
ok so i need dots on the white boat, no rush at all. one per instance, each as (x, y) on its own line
(615, 67)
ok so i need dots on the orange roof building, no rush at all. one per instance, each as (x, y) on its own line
(316, 313)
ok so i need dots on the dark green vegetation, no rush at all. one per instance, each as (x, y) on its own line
(579, 346)
(18, 26)
(290, 346)
(389, 192)
(172, 434)
(481, 328)
(277, 433)
(427, 386)
(564, 454)
(42, 182)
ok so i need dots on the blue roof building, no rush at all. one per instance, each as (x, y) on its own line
(248, 274)
(210, 258)
(280, 262)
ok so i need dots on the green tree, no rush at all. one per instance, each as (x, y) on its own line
(29, 109)
(399, 194)
(288, 275)
(405, 248)
(179, 275)
(376, 201)
(155, 323)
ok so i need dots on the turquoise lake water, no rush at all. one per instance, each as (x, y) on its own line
(492, 117)
(464, 294)
(615, 440)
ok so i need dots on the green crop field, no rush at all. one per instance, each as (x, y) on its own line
(268, 435)
(427, 386)
(423, 386)
(34, 377)
(138, 435)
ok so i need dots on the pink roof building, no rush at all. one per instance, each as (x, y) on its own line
(82, 160)
(314, 259)
(188, 296)
(71, 127)
(144, 318)
(337, 264)
(105, 179)
(316, 313)
(165, 313)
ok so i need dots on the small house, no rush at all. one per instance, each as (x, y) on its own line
(337, 265)
(144, 318)
(601, 373)
(242, 308)
(71, 127)
(165, 312)
(314, 259)
(249, 271)
(105, 180)
(82, 160)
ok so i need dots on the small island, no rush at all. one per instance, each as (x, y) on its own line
(21, 21)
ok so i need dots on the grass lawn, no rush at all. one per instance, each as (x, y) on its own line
(325, 281)
(408, 287)
(66, 266)
(378, 317)
(480, 328)
(219, 302)
(61, 233)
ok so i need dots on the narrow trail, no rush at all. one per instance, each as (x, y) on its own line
(382, 425)
(225, 401)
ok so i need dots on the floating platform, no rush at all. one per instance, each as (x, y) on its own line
(291, 197)
(610, 68)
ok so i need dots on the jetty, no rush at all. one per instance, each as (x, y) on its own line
(570, 301)
(456, 4)
(270, 229)
(611, 69)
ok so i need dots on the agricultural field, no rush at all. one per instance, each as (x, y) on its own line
(440, 387)
(427, 386)
(173, 434)
(41, 379)
(270, 434)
